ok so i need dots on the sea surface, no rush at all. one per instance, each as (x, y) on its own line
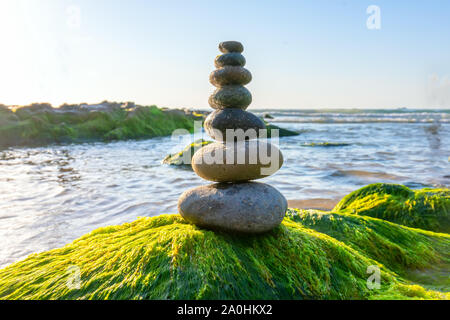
(52, 195)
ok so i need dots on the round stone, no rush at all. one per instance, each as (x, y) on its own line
(237, 162)
(243, 207)
(230, 59)
(245, 125)
(231, 46)
(230, 76)
(230, 97)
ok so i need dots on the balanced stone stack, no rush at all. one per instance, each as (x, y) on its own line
(234, 203)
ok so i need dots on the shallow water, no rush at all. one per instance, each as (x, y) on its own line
(53, 195)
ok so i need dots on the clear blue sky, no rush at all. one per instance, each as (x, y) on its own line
(302, 54)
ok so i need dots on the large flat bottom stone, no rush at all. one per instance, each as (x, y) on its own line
(249, 207)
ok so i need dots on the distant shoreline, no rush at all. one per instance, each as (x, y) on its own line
(41, 124)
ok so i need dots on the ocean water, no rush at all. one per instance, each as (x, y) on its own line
(52, 195)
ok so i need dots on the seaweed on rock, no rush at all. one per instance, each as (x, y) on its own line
(40, 124)
(184, 157)
(397, 247)
(312, 255)
(427, 209)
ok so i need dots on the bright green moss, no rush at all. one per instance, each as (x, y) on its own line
(400, 291)
(427, 209)
(184, 157)
(312, 255)
(166, 258)
(40, 125)
(400, 249)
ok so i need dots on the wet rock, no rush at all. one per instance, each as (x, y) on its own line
(237, 162)
(325, 144)
(69, 107)
(230, 59)
(217, 123)
(231, 46)
(128, 106)
(184, 157)
(234, 205)
(104, 106)
(230, 75)
(244, 207)
(33, 109)
(231, 97)
(273, 130)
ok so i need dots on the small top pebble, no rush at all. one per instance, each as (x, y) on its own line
(231, 46)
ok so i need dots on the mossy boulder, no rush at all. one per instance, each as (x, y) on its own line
(427, 209)
(312, 255)
(40, 124)
(184, 157)
(7, 117)
(166, 258)
(396, 247)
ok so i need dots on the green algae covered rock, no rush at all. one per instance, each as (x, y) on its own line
(184, 157)
(427, 209)
(40, 124)
(398, 248)
(312, 255)
(166, 258)
(7, 117)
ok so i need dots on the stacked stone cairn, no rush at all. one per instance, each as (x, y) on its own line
(234, 202)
